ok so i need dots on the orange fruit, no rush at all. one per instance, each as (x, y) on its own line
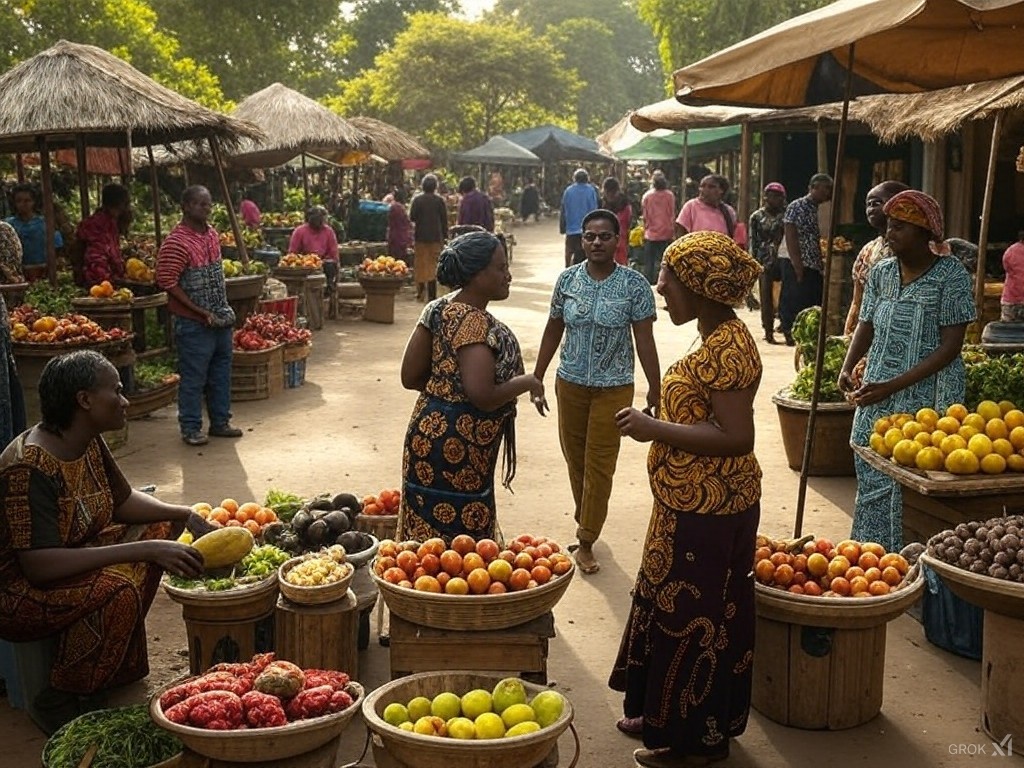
(250, 508)
(426, 584)
(958, 411)
(479, 580)
(541, 574)
(230, 505)
(472, 562)
(867, 560)
(252, 527)
(878, 588)
(840, 586)
(519, 580)
(859, 584)
(892, 576)
(765, 571)
(872, 574)
(1014, 418)
(463, 544)
(220, 514)
(499, 570)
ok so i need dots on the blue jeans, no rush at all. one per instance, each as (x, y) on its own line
(654, 252)
(204, 362)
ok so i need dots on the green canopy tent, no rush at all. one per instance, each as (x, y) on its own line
(700, 142)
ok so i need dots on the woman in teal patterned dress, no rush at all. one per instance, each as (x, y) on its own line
(912, 323)
(468, 368)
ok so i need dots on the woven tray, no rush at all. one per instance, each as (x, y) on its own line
(328, 593)
(988, 593)
(146, 401)
(473, 612)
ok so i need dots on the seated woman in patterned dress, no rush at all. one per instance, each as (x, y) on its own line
(468, 368)
(686, 654)
(81, 552)
(912, 324)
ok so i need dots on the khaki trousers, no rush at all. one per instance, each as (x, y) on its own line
(590, 444)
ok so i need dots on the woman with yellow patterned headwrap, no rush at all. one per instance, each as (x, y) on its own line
(911, 326)
(685, 659)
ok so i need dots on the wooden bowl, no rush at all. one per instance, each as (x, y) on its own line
(475, 612)
(988, 593)
(257, 745)
(327, 593)
(414, 749)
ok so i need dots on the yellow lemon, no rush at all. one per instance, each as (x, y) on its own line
(1005, 406)
(967, 431)
(900, 419)
(975, 420)
(980, 445)
(931, 458)
(962, 462)
(893, 436)
(993, 464)
(996, 429)
(948, 424)
(958, 411)
(928, 418)
(937, 437)
(924, 438)
(911, 429)
(953, 443)
(879, 446)
(1003, 447)
(1015, 463)
(905, 451)
(1017, 437)
(882, 425)
(1014, 419)
(988, 410)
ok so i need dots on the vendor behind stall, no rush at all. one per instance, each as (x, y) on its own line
(31, 229)
(99, 237)
(315, 236)
(81, 552)
(1012, 300)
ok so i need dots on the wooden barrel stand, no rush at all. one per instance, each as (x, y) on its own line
(319, 636)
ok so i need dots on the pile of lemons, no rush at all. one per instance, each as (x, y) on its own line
(989, 439)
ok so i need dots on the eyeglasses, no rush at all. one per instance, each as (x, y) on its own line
(604, 237)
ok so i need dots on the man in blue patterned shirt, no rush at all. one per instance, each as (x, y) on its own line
(802, 264)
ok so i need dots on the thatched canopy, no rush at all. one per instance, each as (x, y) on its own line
(674, 116)
(293, 124)
(389, 142)
(73, 89)
(934, 114)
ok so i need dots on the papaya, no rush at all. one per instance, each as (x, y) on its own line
(224, 546)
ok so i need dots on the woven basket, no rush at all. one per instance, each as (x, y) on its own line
(980, 589)
(380, 526)
(473, 612)
(328, 593)
(414, 749)
(259, 745)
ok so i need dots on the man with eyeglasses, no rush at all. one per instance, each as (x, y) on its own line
(578, 199)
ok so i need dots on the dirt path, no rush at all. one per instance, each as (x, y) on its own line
(343, 431)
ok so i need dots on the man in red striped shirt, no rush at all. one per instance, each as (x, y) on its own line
(189, 269)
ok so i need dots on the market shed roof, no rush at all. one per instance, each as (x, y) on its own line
(553, 144)
(73, 89)
(500, 151)
(387, 141)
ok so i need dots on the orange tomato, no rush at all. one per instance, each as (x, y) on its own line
(463, 544)
(220, 514)
(230, 505)
(252, 527)
(479, 581)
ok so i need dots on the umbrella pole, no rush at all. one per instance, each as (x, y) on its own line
(686, 162)
(83, 175)
(156, 194)
(986, 212)
(51, 251)
(819, 356)
(19, 164)
(232, 217)
(305, 180)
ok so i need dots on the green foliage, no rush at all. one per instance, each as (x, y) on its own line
(376, 23)
(993, 378)
(805, 332)
(456, 83)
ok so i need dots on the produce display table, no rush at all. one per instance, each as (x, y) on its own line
(1002, 684)
(380, 297)
(309, 287)
(521, 650)
(319, 636)
(935, 501)
(243, 293)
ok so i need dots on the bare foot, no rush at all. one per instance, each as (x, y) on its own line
(585, 559)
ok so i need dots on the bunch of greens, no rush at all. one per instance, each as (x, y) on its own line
(994, 378)
(152, 373)
(263, 561)
(53, 300)
(805, 333)
(127, 738)
(285, 505)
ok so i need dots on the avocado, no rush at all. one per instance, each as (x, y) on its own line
(346, 500)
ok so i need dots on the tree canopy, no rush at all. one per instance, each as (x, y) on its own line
(374, 24)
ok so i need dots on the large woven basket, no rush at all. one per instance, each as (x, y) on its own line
(328, 593)
(418, 751)
(258, 745)
(980, 589)
(380, 526)
(473, 612)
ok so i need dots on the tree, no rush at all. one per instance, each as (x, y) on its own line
(689, 30)
(126, 28)
(376, 23)
(612, 50)
(456, 83)
(300, 43)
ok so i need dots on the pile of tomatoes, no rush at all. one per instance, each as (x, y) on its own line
(384, 503)
(250, 515)
(29, 325)
(262, 331)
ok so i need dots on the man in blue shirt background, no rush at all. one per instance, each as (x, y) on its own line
(31, 227)
(578, 199)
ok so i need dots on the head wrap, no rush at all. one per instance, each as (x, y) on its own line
(711, 265)
(775, 187)
(918, 209)
(464, 256)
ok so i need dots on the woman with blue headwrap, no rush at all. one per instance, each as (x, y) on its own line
(468, 368)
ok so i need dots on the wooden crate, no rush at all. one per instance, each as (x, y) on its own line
(817, 677)
(521, 650)
(319, 636)
(257, 375)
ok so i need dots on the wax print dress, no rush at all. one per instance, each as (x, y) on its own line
(99, 616)
(907, 321)
(451, 446)
(685, 662)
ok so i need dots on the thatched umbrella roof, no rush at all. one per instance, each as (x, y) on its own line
(73, 89)
(674, 116)
(293, 124)
(934, 114)
(389, 142)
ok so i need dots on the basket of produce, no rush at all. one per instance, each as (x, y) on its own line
(474, 584)
(111, 738)
(319, 522)
(144, 401)
(467, 719)
(316, 578)
(298, 264)
(379, 514)
(32, 330)
(383, 268)
(257, 711)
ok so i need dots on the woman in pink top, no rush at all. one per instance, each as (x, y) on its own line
(1012, 301)
(658, 208)
(250, 213)
(707, 212)
(316, 237)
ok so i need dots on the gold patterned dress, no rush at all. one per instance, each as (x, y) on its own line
(687, 650)
(451, 447)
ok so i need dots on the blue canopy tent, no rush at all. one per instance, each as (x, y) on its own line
(553, 145)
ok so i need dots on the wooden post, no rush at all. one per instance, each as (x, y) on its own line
(986, 212)
(51, 251)
(746, 155)
(686, 163)
(19, 162)
(154, 183)
(83, 175)
(823, 150)
(305, 180)
(235, 228)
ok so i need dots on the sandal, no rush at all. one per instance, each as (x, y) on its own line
(631, 726)
(590, 566)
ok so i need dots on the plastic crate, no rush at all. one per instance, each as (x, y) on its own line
(289, 307)
(294, 374)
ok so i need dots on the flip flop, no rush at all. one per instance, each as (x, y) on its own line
(573, 547)
(631, 726)
(589, 568)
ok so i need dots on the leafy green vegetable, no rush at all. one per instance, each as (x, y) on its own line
(152, 373)
(285, 505)
(802, 387)
(263, 560)
(127, 738)
(53, 300)
(994, 378)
